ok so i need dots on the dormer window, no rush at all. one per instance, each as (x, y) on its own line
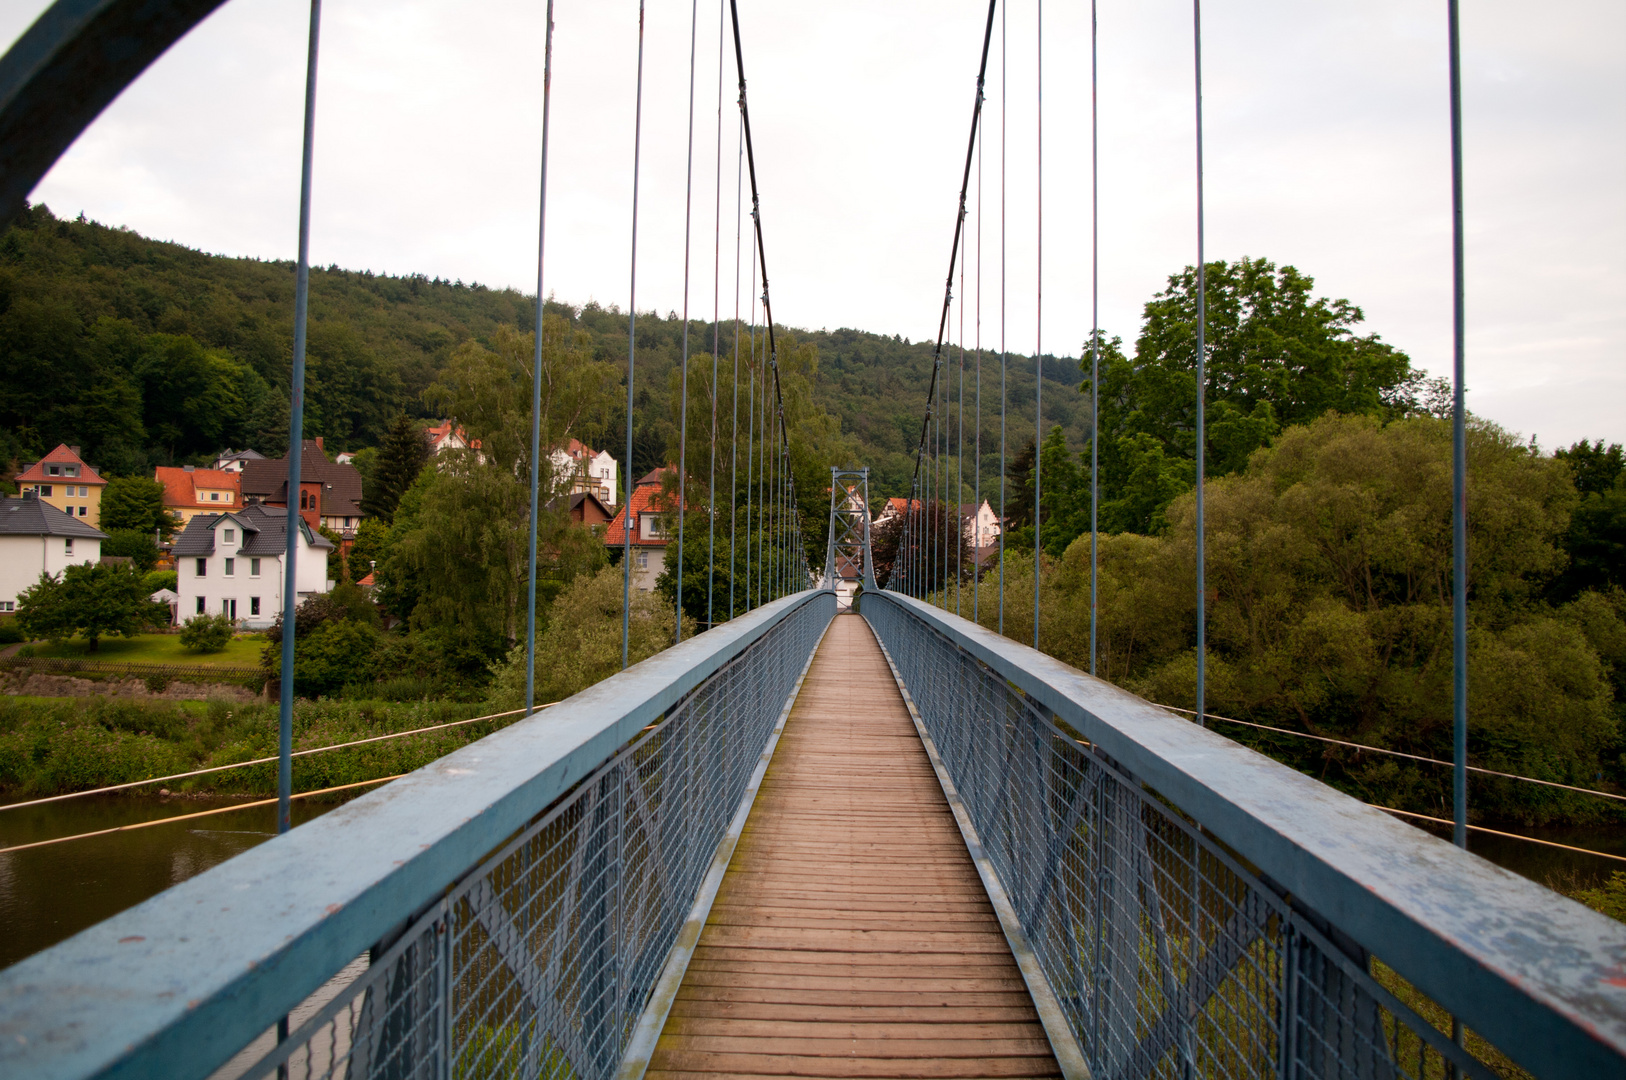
(214, 496)
(70, 470)
(53, 470)
(228, 536)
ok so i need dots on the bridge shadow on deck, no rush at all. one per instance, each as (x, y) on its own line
(852, 935)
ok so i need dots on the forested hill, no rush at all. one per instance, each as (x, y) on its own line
(147, 353)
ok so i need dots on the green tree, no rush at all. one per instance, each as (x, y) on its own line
(372, 541)
(488, 392)
(206, 633)
(401, 457)
(1594, 468)
(462, 550)
(133, 545)
(136, 503)
(1328, 561)
(1596, 540)
(194, 400)
(582, 644)
(91, 600)
(1276, 356)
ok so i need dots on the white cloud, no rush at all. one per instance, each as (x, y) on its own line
(1326, 141)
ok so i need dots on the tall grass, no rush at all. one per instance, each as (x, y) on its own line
(51, 746)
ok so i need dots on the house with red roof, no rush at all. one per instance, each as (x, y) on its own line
(63, 480)
(652, 521)
(587, 470)
(446, 436)
(190, 491)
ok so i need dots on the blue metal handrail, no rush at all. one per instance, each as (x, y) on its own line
(179, 984)
(1166, 875)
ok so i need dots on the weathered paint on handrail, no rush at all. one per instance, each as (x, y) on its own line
(1541, 976)
(176, 985)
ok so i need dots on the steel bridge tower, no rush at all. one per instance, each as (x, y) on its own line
(847, 552)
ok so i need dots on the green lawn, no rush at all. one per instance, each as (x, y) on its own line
(157, 649)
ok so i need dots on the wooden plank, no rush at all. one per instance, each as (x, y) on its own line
(713, 1063)
(852, 936)
(878, 1029)
(788, 1012)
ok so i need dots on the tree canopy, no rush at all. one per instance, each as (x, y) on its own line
(93, 600)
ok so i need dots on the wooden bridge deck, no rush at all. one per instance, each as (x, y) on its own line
(851, 935)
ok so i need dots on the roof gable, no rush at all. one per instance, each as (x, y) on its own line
(62, 455)
(341, 484)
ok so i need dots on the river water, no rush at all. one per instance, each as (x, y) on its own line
(51, 893)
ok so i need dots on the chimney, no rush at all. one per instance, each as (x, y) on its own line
(319, 445)
(74, 450)
(190, 468)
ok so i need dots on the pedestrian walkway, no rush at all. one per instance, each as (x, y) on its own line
(852, 936)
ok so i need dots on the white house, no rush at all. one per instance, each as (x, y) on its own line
(981, 524)
(588, 470)
(233, 460)
(35, 538)
(231, 564)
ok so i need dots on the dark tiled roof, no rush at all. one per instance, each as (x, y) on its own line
(35, 517)
(341, 484)
(265, 532)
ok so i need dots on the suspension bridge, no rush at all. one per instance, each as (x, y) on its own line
(842, 832)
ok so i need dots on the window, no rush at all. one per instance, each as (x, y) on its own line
(203, 567)
(70, 470)
(45, 491)
(254, 605)
(228, 608)
(8, 605)
(229, 536)
(254, 570)
(83, 510)
(231, 567)
(200, 606)
(643, 560)
(214, 496)
(53, 470)
(67, 546)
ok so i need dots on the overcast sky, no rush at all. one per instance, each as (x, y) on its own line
(1326, 134)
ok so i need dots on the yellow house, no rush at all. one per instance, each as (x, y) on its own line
(63, 480)
(189, 491)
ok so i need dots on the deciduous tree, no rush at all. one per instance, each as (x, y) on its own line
(91, 600)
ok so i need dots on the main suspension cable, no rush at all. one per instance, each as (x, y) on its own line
(762, 255)
(948, 285)
(536, 368)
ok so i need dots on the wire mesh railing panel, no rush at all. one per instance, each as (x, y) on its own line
(1169, 957)
(539, 961)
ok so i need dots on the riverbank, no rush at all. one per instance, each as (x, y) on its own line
(52, 746)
